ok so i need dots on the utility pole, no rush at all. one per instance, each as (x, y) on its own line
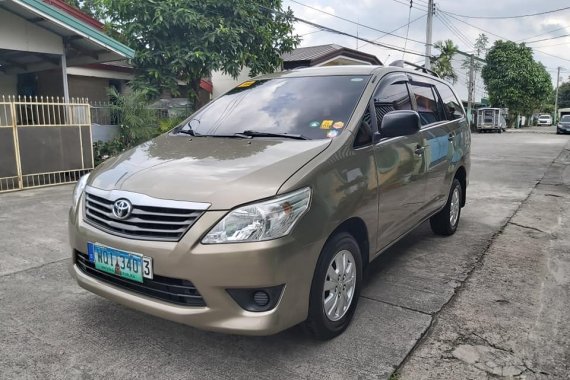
(471, 87)
(556, 97)
(431, 11)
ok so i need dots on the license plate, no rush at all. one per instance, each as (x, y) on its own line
(131, 266)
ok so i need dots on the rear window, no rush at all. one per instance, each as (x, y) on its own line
(488, 116)
(315, 107)
(452, 106)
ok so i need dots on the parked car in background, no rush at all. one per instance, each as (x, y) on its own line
(544, 120)
(563, 125)
(264, 208)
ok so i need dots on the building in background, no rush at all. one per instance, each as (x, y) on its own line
(322, 55)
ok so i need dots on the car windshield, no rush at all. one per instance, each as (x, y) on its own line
(306, 107)
(544, 117)
(565, 119)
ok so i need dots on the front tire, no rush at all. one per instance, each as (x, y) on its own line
(335, 288)
(446, 221)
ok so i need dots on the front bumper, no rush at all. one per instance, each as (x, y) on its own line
(212, 269)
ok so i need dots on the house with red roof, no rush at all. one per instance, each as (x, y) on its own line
(48, 48)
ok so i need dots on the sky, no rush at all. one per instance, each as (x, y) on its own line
(388, 15)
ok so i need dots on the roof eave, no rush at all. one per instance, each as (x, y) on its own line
(69, 22)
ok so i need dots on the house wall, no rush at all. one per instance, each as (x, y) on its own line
(223, 82)
(94, 89)
(18, 34)
(8, 85)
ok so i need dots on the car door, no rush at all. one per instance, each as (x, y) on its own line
(400, 165)
(438, 131)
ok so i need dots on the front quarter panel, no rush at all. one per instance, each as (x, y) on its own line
(344, 184)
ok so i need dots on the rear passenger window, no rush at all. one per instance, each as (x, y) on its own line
(392, 98)
(452, 106)
(428, 105)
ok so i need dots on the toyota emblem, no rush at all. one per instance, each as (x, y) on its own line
(122, 209)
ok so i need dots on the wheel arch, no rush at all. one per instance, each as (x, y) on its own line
(357, 228)
(461, 175)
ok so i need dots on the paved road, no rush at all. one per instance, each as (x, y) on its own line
(51, 328)
(510, 317)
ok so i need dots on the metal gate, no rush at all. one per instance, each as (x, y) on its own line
(43, 142)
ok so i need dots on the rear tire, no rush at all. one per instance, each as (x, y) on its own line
(339, 263)
(446, 221)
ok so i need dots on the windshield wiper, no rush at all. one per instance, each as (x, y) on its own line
(187, 132)
(270, 134)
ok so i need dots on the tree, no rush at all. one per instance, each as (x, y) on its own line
(564, 95)
(185, 40)
(443, 64)
(92, 7)
(514, 79)
(481, 49)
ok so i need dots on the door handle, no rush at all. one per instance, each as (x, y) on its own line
(419, 150)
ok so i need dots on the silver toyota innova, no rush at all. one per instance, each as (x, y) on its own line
(264, 208)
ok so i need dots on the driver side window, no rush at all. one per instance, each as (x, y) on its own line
(391, 98)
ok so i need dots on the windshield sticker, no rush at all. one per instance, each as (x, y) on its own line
(338, 125)
(327, 124)
(246, 84)
(332, 134)
(315, 124)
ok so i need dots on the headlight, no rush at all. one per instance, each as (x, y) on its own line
(79, 187)
(261, 221)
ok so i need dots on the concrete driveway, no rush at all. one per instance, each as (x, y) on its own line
(51, 328)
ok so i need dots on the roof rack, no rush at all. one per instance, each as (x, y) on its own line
(401, 63)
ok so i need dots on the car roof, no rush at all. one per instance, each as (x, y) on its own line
(340, 70)
(324, 70)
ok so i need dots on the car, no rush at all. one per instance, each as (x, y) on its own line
(563, 125)
(264, 208)
(544, 120)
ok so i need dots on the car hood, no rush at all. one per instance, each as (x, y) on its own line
(224, 172)
(565, 123)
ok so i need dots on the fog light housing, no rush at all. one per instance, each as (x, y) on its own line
(261, 298)
(257, 299)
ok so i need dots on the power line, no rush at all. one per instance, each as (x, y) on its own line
(560, 44)
(395, 30)
(336, 31)
(326, 28)
(352, 21)
(548, 39)
(501, 37)
(449, 25)
(542, 34)
(418, 6)
(509, 17)
(408, 29)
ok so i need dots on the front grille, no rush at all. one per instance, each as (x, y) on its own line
(173, 290)
(144, 223)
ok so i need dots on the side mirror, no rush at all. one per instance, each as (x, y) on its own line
(400, 123)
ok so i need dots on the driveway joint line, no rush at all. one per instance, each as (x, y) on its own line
(33, 268)
(528, 227)
(396, 305)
